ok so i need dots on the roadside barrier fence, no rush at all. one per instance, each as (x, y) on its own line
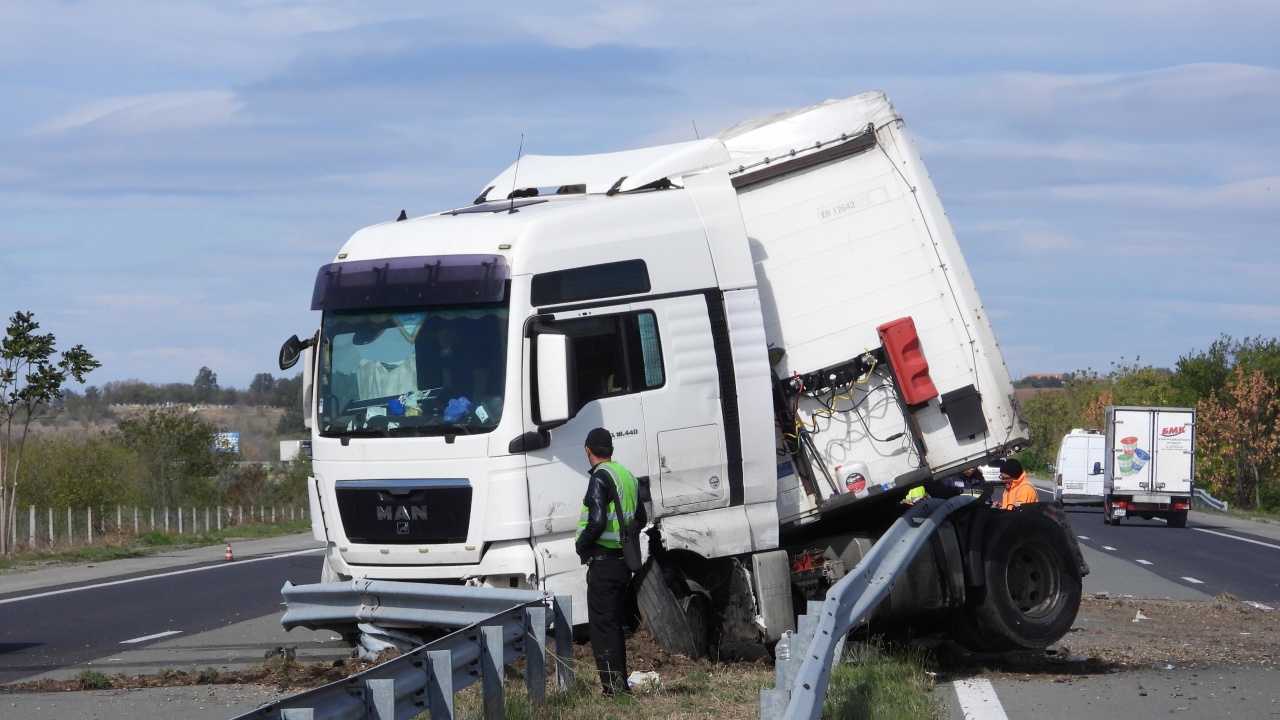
(50, 527)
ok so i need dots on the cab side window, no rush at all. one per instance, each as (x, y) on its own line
(615, 354)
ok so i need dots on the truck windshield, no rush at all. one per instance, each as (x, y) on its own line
(412, 371)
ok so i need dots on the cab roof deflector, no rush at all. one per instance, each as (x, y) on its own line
(600, 173)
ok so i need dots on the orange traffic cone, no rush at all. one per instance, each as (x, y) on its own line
(229, 557)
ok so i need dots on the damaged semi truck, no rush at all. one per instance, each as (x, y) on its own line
(779, 329)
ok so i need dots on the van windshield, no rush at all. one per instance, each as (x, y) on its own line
(412, 371)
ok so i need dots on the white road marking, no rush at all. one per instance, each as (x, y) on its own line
(1193, 580)
(1083, 537)
(1144, 562)
(1233, 537)
(152, 577)
(978, 700)
(145, 638)
(1108, 547)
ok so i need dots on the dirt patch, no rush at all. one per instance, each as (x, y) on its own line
(1119, 634)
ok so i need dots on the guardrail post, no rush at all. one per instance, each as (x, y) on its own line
(535, 654)
(491, 667)
(563, 609)
(380, 699)
(773, 702)
(440, 685)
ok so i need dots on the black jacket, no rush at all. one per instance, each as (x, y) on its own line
(597, 503)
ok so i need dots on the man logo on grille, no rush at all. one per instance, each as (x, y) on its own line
(401, 512)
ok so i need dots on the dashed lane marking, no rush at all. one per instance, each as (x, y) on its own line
(1108, 547)
(1144, 562)
(978, 700)
(145, 638)
(1193, 580)
(1083, 537)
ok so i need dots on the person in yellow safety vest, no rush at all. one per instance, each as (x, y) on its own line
(915, 495)
(599, 546)
(1018, 490)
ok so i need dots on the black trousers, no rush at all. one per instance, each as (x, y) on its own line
(607, 580)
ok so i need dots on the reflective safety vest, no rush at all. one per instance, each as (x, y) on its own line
(625, 485)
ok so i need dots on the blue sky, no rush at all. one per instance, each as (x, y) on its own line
(172, 173)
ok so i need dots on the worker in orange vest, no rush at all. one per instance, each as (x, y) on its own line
(1018, 490)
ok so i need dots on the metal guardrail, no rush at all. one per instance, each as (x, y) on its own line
(1209, 500)
(803, 667)
(425, 679)
(341, 605)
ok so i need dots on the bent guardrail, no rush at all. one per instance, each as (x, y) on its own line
(425, 679)
(802, 676)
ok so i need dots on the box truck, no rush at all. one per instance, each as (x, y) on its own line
(1078, 470)
(1150, 463)
(776, 324)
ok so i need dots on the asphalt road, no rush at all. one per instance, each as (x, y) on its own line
(47, 628)
(1210, 556)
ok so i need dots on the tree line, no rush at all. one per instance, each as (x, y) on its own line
(264, 390)
(162, 455)
(1234, 386)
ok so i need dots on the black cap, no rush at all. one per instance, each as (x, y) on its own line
(600, 438)
(1010, 467)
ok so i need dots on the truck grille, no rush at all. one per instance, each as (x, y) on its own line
(405, 512)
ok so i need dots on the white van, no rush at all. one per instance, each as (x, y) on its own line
(1081, 457)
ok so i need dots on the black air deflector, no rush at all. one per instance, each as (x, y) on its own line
(964, 411)
(405, 512)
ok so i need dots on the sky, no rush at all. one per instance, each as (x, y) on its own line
(172, 174)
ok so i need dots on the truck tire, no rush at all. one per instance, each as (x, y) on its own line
(1033, 589)
(1178, 519)
(668, 617)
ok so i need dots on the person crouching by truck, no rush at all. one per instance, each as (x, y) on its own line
(1018, 490)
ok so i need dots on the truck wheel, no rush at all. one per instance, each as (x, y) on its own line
(964, 630)
(678, 625)
(1178, 519)
(1032, 583)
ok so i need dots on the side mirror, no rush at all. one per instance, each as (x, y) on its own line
(552, 359)
(1097, 469)
(292, 350)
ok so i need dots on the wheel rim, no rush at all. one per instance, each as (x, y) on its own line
(1033, 581)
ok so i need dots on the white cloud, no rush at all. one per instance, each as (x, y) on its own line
(179, 112)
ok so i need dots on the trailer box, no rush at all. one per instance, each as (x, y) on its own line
(1150, 463)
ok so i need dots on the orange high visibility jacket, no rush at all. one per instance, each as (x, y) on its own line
(1019, 493)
